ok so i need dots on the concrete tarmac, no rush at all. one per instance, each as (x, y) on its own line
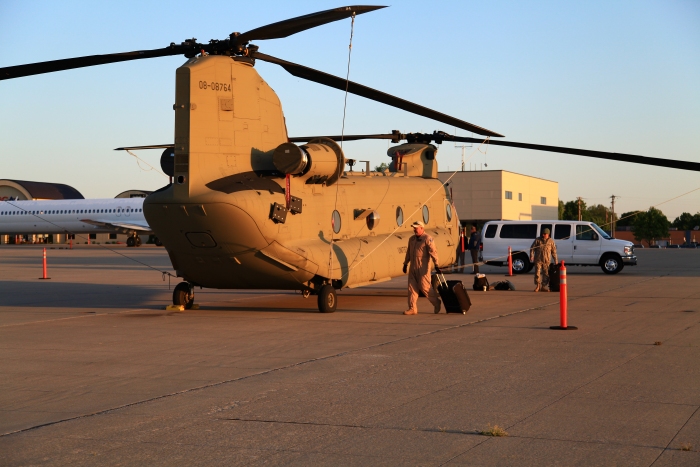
(94, 371)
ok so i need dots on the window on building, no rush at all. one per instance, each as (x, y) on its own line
(543, 200)
(520, 196)
(93, 236)
(112, 236)
(509, 195)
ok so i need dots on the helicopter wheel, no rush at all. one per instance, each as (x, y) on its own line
(137, 241)
(130, 241)
(327, 299)
(183, 295)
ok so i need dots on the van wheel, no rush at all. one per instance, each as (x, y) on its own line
(611, 263)
(521, 264)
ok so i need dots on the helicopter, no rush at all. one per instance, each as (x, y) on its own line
(249, 208)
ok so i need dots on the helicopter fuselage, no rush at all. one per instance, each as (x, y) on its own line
(217, 220)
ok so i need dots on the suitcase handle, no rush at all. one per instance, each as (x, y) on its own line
(441, 278)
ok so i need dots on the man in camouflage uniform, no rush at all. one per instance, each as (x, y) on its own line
(542, 251)
(421, 249)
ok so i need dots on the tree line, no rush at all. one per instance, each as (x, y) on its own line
(648, 226)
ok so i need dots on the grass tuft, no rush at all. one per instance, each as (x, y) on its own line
(494, 431)
(658, 343)
(686, 447)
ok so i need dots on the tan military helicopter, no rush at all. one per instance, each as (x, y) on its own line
(249, 209)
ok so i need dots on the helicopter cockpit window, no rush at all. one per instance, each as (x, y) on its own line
(399, 216)
(335, 221)
(449, 212)
(426, 215)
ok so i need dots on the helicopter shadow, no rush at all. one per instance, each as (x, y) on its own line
(49, 294)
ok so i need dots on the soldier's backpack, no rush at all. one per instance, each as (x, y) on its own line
(503, 285)
(481, 282)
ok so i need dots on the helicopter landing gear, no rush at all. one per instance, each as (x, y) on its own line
(134, 240)
(327, 299)
(306, 293)
(183, 295)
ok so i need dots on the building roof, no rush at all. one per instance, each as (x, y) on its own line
(43, 190)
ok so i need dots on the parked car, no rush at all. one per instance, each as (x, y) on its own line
(656, 246)
(673, 246)
(578, 243)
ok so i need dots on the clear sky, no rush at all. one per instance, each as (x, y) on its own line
(620, 76)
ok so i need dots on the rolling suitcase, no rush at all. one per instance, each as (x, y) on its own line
(554, 277)
(454, 295)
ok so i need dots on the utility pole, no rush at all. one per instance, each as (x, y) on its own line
(612, 228)
(463, 146)
(579, 208)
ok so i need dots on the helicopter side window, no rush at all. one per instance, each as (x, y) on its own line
(373, 220)
(399, 216)
(426, 215)
(335, 221)
(449, 211)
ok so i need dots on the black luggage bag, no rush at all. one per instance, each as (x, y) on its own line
(481, 283)
(554, 277)
(454, 295)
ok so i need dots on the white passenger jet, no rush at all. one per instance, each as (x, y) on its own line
(75, 216)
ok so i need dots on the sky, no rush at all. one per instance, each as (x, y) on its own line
(618, 76)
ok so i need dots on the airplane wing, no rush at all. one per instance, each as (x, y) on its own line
(121, 227)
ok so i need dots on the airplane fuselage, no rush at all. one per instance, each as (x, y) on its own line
(69, 216)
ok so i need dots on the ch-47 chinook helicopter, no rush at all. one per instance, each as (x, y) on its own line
(249, 209)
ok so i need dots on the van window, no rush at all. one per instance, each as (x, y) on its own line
(491, 231)
(519, 231)
(585, 232)
(562, 232)
(546, 226)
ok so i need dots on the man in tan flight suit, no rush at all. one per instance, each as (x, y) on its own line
(542, 251)
(421, 249)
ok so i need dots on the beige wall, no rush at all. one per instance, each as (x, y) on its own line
(532, 190)
(480, 195)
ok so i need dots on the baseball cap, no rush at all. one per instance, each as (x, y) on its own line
(546, 231)
(417, 224)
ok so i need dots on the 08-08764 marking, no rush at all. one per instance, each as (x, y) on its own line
(214, 86)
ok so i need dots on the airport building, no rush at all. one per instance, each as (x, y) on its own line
(485, 195)
(27, 190)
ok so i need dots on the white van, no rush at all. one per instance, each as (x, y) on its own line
(578, 243)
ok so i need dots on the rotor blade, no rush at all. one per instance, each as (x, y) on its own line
(301, 23)
(613, 156)
(304, 139)
(152, 146)
(320, 77)
(440, 137)
(18, 71)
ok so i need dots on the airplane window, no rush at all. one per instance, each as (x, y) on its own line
(426, 215)
(335, 221)
(399, 216)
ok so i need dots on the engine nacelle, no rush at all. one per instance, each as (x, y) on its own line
(414, 159)
(320, 160)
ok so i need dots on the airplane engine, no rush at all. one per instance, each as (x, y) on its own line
(320, 160)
